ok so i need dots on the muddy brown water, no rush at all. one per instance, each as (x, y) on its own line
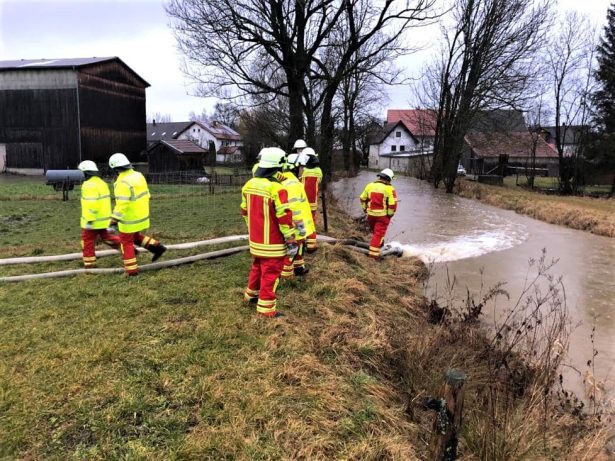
(481, 244)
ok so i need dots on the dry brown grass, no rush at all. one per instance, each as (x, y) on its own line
(583, 213)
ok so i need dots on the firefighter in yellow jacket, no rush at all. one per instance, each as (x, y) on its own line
(311, 177)
(131, 213)
(268, 215)
(95, 213)
(379, 202)
(302, 216)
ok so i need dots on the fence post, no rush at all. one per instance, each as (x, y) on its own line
(323, 195)
(449, 412)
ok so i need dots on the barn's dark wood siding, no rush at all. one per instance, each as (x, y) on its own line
(52, 118)
(162, 159)
(112, 111)
(39, 128)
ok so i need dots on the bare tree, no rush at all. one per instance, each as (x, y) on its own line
(490, 58)
(571, 65)
(233, 47)
(367, 34)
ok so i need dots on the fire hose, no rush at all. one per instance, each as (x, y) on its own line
(355, 245)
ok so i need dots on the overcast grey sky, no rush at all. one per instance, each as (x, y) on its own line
(137, 31)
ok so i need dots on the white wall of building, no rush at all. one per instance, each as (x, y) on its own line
(202, 137)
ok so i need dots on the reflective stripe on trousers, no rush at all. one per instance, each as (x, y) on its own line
(88, 244)
(263, 279)
(378, 225)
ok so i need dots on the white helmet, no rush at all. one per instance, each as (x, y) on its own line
(302, 159)
(387, 174)
(271, 157)
(299, 144)
(309, 151)
(118, 160)
(293, 159)
(87, 165)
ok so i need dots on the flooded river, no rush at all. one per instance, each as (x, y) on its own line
(465, 236)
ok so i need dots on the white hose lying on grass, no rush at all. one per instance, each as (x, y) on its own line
(144, 267)
(352, 244)
(73, 256)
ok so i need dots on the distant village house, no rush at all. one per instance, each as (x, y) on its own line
(405, 143)
(211, 137)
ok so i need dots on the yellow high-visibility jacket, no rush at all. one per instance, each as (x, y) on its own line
(299, 204)
(131, 202)
(264, 205)
(95, 203)
(379, 199)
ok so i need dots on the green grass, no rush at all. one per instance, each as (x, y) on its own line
(171, 365)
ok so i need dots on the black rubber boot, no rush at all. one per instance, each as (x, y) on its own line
(157, 252)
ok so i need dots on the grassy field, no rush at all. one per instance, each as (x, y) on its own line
(594, 215)
(172, 365)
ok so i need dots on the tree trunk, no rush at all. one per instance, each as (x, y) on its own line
(295, 105)
(326, 138)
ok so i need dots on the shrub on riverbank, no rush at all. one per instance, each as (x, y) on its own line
(583, 213)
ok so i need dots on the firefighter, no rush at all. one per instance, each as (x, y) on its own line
(311, 177)
(302, 216)
(379, 202)
(299, 145)
(131, 213)
(95, 213)
(265, 208)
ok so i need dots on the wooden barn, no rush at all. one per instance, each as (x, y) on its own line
(175, 155)
(56, 112)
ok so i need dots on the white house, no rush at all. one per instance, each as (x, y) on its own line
(399, 148)
(226, 141)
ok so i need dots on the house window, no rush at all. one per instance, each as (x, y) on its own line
(199, 130)
(402, 148)
(194, 130)
(398, 134)
(393, 148)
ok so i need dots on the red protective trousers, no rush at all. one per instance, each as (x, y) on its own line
(378, 225)
(88, 244)
(263, 282)
(311, 244)
(128, 241)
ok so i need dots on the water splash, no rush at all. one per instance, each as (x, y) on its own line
(464, 246)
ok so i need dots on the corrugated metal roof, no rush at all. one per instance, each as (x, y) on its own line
(61, 63)
(55, 63)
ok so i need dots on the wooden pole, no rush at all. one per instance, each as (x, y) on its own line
(449, 412)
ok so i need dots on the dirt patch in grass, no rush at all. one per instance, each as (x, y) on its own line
(583, 213)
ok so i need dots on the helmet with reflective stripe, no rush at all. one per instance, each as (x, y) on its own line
(118, 160)
(299, 144)
(387, 174)
(87, 165)
(271, 157)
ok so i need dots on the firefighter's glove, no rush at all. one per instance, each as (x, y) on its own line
(88, 225)
(300, 225)
(292, 248)
(113, 229)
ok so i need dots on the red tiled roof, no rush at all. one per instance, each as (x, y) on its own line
(517, 144)
(420, 122)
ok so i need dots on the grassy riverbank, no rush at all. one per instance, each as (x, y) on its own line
(583, 213)
(171, 365)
